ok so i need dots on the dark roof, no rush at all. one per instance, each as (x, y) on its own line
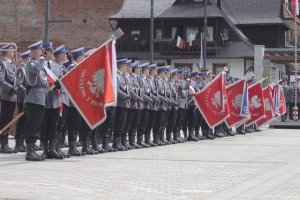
(253, 11)
(140, 9)
(189, 10)
(238, 49)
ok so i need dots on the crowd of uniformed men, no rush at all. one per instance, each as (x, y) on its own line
(155, 106)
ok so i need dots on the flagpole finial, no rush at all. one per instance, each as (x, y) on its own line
(117, 34)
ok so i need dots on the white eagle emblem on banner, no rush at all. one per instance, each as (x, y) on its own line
(216, 100)
(267, 104)
(237, 101)
(96, 85)
(255, 102)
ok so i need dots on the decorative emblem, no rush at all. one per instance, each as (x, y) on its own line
(96, 85)
(255, 102)
(267, 104)
(237, 101)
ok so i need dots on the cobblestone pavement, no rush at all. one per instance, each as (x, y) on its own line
(264, 166)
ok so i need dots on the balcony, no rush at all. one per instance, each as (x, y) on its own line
(166, 47)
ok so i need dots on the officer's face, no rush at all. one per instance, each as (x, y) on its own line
(80, 58)
(26, 60)
(175, 77)
(146, 72)
(129, 69)
(122, 67)
(49, 55)
(36, 53)
(137, 71)
(153, 72)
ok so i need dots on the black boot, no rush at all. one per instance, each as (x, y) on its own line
(52, 153)
(117, 144)
(64, 142)
(210, 135)
(141, 143)
(197, 135)
(132, 142)
(86, 149)
(19, 147)
(148, 140)
(191, 137)
(73, 151)
(162, 138)
(106, 146)
(125, 144)
(59, 151)
(96, 147)
(31, 155)
(5, 147)
(230, 132)
(170, 139)
(156, 140)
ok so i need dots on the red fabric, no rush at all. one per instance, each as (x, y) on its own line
(256, 102)
(235, 98)
(282, 108)
(90, 87)
(213, 107)
(269, 107)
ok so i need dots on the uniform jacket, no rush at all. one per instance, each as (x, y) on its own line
(123, 91)
(146, 85)
(53, 98)
(7, 76)
(182, 94)
(37, 85)
(161, 93)
(153, 93)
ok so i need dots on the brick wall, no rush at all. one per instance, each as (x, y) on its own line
(22, 21)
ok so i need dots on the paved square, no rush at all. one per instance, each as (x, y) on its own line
(263, 166)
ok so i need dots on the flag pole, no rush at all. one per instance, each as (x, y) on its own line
(295, 109)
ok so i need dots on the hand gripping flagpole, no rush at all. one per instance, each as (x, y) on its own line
(295, 109)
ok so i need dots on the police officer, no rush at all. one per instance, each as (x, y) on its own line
(198, 117)
(133, 87)
(182, 103)
(73, 116)
(21, 84)
(168, 104)
(191, 112)
(158, 133)
(170, 131)
(36, 91)
(154, 106)
(123, 104)
(147, 104)
(48, 134)
(8, 90)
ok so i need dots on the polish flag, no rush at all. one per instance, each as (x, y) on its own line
(180, 42)
(50, 75)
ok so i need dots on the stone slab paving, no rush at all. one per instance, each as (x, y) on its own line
(263, 166)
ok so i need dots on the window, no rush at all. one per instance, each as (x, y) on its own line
(158, 34)
(210, 34)
(135, 35)
(191, 33)
(225, 35)
(174, 32)
(289, 38)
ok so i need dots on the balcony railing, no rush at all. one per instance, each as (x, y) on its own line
(166, 47)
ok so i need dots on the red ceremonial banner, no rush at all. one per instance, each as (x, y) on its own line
(89, 86)
(235, 93)
(212, 101)
(257, 104)
(282, 108)
(269, 107)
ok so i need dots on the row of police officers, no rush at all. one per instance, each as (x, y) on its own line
(154, 107)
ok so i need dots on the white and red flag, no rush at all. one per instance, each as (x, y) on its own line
(235, 94)
(282, 107)
(90, 85)
(180, 42)
(50, 75)
(212, 101)
(269, 107)
(256, 103)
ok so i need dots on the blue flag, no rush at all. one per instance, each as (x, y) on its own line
(245, 102)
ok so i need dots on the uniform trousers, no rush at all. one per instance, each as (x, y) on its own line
(73, 121)
(34, 116)
(107, 125)
(143, 122)
(172, 120)
(120, 121)
(49, 124)
(135, 122)
(159, 122)
(151, 121)
(6, 115)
